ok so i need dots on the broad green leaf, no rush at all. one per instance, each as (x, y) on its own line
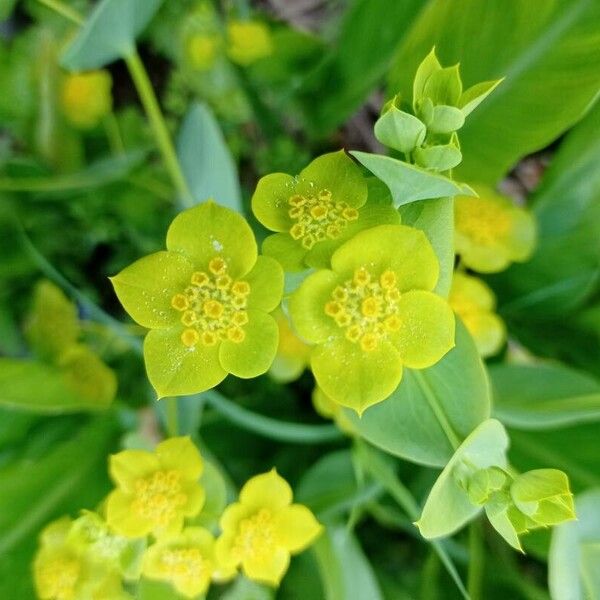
(109, 33)
(548, 52)
(37, 387)
(345, 570)
(438, 158)
(448, 506)
(400, 130)
(445, 119)
(470, 99)
(206, 161)
(157, 590)
(436, 218)
(32, 491)
(575, 552)
(244, 589)
(543, 396)
(564, 271)
(432, 410)
(409, 183)
(368, 38)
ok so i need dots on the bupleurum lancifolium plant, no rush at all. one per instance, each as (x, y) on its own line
(367, 291)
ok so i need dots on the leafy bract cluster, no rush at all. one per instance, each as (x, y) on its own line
(152, 527)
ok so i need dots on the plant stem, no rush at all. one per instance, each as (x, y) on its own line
(172, 417)
(64, 10)
(476, 560)
(161, 133)
(113, 134)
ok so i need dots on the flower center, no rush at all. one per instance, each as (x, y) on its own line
(159, 497)
(256, 536)
(318, 217)
(183, 564)
(213, 306)
(366, 307)
(58, 578)
(483, 221)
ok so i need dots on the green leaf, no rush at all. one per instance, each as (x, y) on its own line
(470, 99)
(345, 570)
(206, 161)
(409, 183)
(547, 50)
(32, 491)
(432, 410)
(215, 487)
(37, 387)
(436, 219)
(400, 130)
(438, 158)
(446, 119)
(109, 33)
(157, 590)
(244, 589)
(574, 552)
(543, 396)
(448, 506)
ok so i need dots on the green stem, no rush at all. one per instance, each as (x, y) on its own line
(113, 134)
(161, 133)
(476, 560)
(172, 417)
(64, 10)
(296, 433)
(438, 411)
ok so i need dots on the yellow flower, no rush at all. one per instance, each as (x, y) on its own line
(292, 353)
(185, 560)
(261, 530)
(202, 51)
(86, 98)
(155, 490)
(249, 41)
(491, 232)
(329, 409)
(474, 302)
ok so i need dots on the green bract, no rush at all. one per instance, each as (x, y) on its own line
(318, 210)
(372, 313)
(205, 300)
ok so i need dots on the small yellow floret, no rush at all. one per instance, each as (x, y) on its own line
(370, 306)
(200, 279)
(249, 41)
(241, 288)
(202, 51)
(180, 302)
(236, 334)
(86, 98)
(217, 265)
(190, 337)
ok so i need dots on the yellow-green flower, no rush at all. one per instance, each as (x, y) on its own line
(474, 302)
(185, 560)
(373, 313)
(292, 353)
(62, 571)
(329, 409)
(491, 232)
(261, 530)
(202, 50)
(206, 301)
(155, 490)
(248, 41)
(318, 210)
(86, 98)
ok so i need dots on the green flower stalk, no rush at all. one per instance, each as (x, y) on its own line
(372, 313)
(315, 212)
(206, 301)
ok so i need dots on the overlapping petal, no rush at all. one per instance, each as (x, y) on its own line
(266, 490)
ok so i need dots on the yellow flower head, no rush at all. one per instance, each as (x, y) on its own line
(202, 51)
(474, 302)
(155, 490)
(185, 560)
(261, 530)
(292, 353)
(249, 41)
(329, 409)
(491, 232)
(86, 98)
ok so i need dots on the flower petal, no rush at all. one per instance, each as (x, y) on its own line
(286, 251)
(488, 331)
(296, 527)
(266, 284)
(223, 546)
(145, 288)
(307, 307)
(270, 201)
(522, 235)
(483, 259)
(196, 497)
(356, 378)
(255, 353)
(268, 569)
(338, 173)
(405, 250)
(267, 490)
(180, 454)
(121, 518)
(427, 329)
(210, 230)
(176, 370)
(127, 466)
(232, 515)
